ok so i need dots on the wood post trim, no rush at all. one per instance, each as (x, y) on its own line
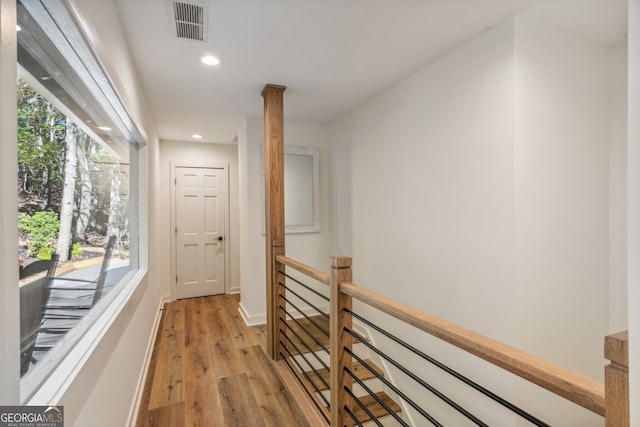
(616, 380)
(274, 207)
(339, 340)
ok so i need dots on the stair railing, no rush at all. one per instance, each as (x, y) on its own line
(340, 408)
(302, 336)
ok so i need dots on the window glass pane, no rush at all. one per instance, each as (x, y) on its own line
(73, 195)
(76, 203)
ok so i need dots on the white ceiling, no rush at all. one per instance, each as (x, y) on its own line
(332, 55)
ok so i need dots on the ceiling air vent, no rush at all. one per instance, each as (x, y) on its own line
(190, 19)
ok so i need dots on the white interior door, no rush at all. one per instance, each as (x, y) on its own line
(200, 207)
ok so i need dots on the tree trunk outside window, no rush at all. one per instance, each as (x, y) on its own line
(68, 191)
(84, 212)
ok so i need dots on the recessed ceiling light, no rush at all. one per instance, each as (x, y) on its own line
(209, 60)
(107, 128)
(196, 136)
(18, 27)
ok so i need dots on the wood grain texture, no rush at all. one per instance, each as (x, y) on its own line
(616, 380)
(168, 381)
(617, 397)
(269, 391)
(274, 203)
(314, 273)
(239, 405)
(575, 387)
(209, 369)
(321, 376)
(242, 335)
(374, 407)
(306, 334)
(341, 361)
(310, 410)
(202, 404)
(165, 416)
(616, 348)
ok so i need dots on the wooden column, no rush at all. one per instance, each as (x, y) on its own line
(274, 207)
(616, 380)
(339, 340)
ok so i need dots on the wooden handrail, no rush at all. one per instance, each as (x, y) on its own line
(577, 388)
(314, 273)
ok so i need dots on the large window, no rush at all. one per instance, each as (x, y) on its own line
(77, 175)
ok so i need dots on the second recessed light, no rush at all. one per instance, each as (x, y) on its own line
(209, 60)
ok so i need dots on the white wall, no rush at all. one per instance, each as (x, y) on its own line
(431, 186)
(432, 191)
(310, 248)
(562, 199)
(479, 191)
(340, 189)
(561, 195)
(633, 194)
(618, 313)
(247, 267)
(253, 284)
(174, 151)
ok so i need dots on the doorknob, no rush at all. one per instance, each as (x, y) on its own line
(220, 238)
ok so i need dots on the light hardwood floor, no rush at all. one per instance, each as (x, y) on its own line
(209, 369)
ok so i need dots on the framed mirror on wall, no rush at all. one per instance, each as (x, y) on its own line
(301, 189)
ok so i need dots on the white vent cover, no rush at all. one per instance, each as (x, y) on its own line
(190, 17)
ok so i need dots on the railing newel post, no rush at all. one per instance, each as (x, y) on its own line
(274, 208)
(339, 340)
(616, 380)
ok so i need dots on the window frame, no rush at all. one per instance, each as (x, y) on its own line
(9, 292)
(48, 380)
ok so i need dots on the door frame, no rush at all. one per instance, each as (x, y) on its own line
(227, 253)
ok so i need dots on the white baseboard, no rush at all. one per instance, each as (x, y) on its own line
(360, 329)
(249, 320)
(261, 319)
(135, 408)
(309, 311)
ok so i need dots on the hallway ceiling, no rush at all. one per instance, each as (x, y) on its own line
(333, 55)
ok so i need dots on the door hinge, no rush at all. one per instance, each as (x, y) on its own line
(176, 230)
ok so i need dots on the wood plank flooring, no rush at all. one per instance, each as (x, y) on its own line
(209, 369)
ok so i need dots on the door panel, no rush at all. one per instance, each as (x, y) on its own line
(200, 218)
